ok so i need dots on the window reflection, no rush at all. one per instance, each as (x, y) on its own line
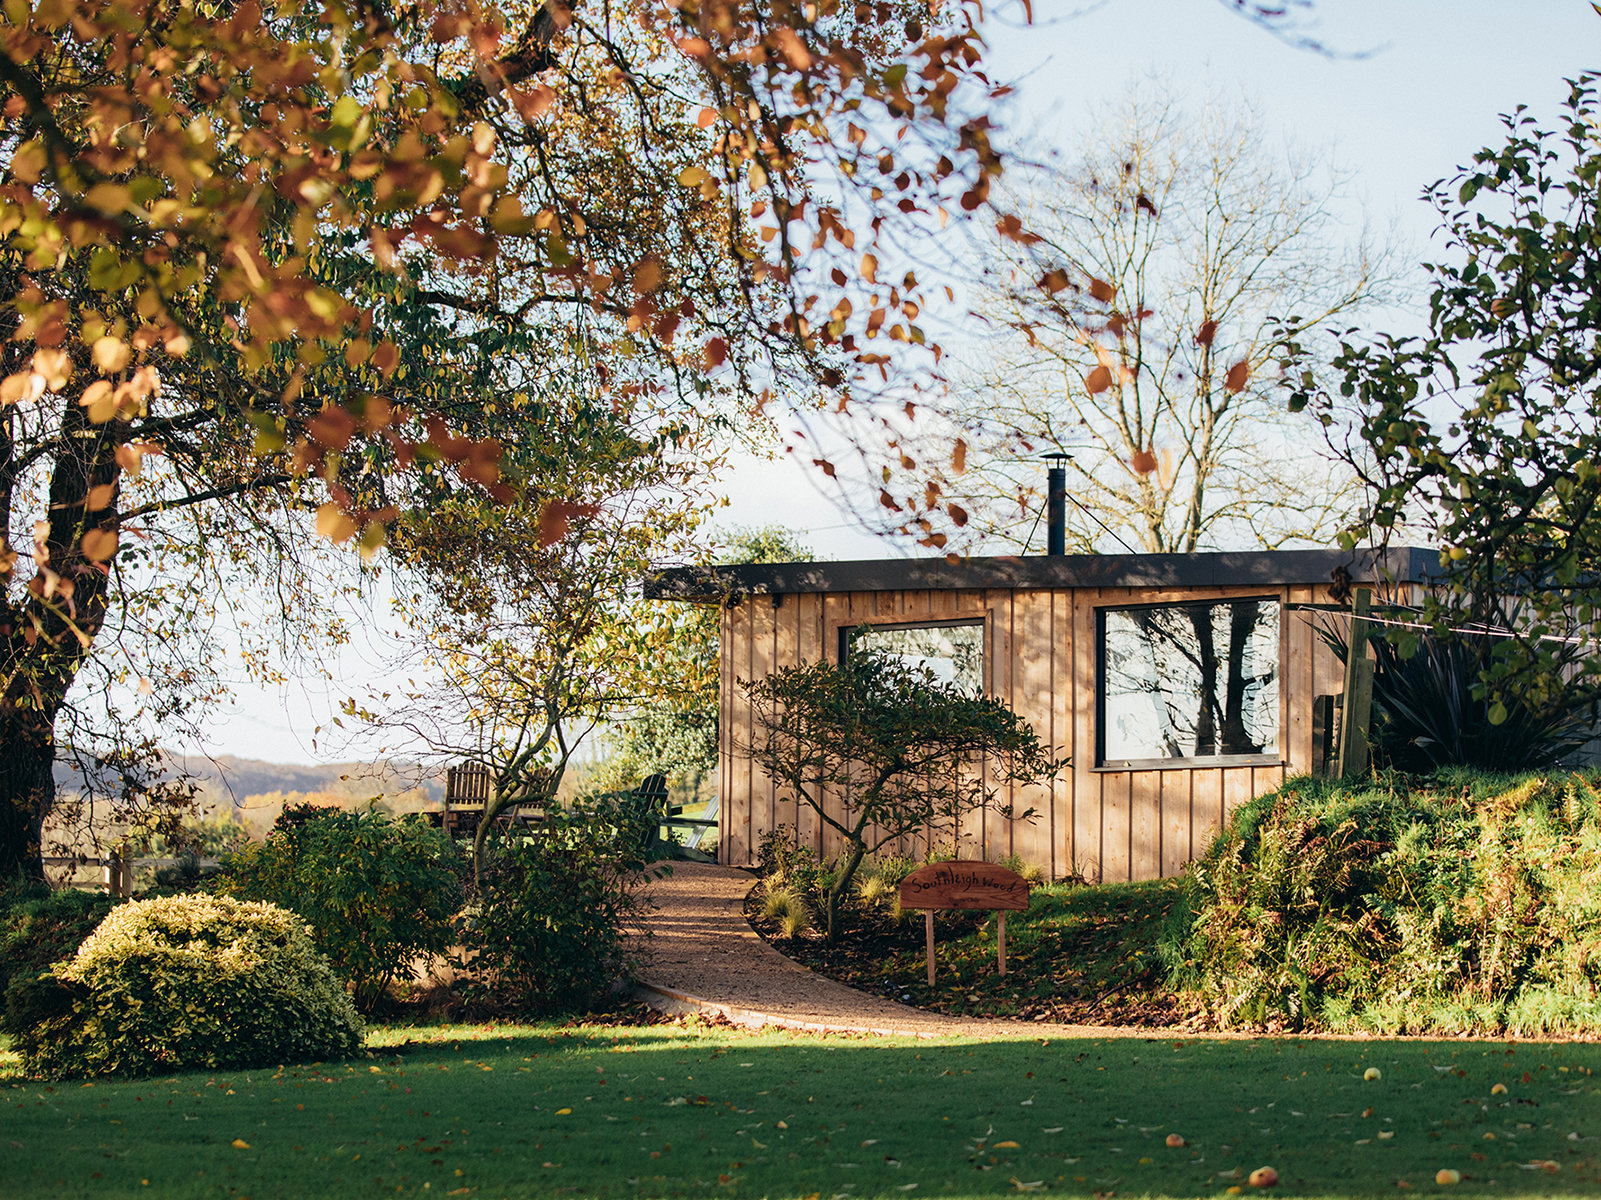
(1190, 681)
(952, 653)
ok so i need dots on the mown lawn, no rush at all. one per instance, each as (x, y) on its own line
(687, 1110)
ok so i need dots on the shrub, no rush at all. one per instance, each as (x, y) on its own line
(548, 933)
(376, 892)
(1430, 710)
(788, 907)
(184, 983)
(40, 926)
(1463, 902)
(874, 890)
(779, 855)
(1031, 871)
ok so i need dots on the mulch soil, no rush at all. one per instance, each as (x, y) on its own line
(1098, 970)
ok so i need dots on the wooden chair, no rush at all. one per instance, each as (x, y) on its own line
(468, 789)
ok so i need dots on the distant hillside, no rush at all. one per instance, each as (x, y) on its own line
(233, 780)
(241, 778)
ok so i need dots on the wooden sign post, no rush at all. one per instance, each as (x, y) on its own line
(965, 885)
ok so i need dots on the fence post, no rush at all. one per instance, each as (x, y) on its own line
(1357, 706)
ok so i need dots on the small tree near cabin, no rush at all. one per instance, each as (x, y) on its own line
(906, 750)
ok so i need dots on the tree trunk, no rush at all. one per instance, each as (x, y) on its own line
(1242, 623)
(48, 627)
(27, 789)
(842, 884)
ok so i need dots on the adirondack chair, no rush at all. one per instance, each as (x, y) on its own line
(652, 792)
(696, 829)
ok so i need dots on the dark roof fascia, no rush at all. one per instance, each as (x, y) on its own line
(1265, 568)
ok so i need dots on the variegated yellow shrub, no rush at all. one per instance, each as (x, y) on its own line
(182, 983)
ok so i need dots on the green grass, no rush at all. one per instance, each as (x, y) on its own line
(683, 1110)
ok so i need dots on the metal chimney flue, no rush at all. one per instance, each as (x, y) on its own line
(1056, 503)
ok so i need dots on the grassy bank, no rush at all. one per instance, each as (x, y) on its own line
(1079, 955)
(1462, 902)
(682, 1110)
(1458, 903)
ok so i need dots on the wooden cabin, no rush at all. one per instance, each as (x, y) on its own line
(1108, 656)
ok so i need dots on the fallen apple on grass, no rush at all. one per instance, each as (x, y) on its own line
(1263, 1177)
(1446, 1175)
(1174, 1139)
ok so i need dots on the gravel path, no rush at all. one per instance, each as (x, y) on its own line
(704, 957)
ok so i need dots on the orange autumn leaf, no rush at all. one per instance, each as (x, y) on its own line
(1098, 380)
(556, 517)
(1238, 375)
(335, 524)
(1102, 290)
(98, 545)
(332, 427)
(1206, 333)
(647, 277)
(1143, 461)
(386, 357)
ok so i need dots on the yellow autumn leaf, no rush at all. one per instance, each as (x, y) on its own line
(99, 399)
(240, 1144)
(111, 354)
(54, 367)
(1006, 1146)
(562, 1112)
(692, 177)
(109, 198)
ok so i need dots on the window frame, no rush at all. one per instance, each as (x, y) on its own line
(1192, 763)
(844, 629)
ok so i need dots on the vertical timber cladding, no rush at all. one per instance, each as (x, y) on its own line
(1041, 659)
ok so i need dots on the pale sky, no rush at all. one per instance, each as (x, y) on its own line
(1425, 93)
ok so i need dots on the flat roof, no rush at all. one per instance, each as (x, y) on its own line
(1267, 568)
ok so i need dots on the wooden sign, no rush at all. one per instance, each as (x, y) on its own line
(964, 884)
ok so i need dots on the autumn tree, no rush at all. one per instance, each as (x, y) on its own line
(880, 749)
(224, 227)
(675, 730)
(1202, 234)
(1485, 435)
(523, 618)
(218, 222)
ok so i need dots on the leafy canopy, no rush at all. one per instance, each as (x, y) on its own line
(1487, 432)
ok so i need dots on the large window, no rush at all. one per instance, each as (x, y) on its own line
(952, 651)
(1189, 681)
